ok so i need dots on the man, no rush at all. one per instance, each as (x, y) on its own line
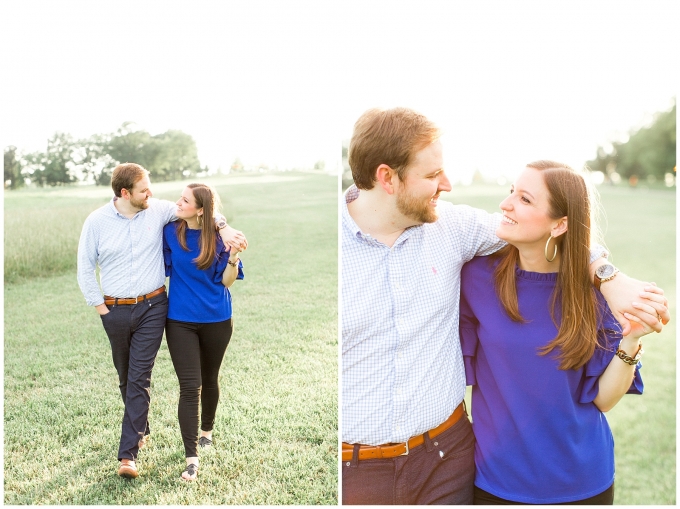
(125, 239)
(406, 438)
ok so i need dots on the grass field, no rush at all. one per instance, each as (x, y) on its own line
(640, 234)
(276, 427)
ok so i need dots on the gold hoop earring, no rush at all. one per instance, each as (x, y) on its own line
(546, 249)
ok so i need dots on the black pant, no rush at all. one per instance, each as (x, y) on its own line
(197, 350)
(135, 333)
(485, 498)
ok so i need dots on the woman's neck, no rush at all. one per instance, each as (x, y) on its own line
(532, 259)
(192, 224)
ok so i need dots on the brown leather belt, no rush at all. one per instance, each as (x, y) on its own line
(367, 452)
(110, 301)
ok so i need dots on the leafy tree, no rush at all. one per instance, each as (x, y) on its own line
(32, 166)
(129, 144)
(176, 156)
(92, 162)
(167, 156)
(648, 151)
(52, 168)
(12, 168)
(347, 179)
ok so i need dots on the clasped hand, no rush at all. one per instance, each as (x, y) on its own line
(636, 304)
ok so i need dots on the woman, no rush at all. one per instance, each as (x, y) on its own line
(543, 351)
(199, 323)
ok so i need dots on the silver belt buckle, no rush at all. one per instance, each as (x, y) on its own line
(407, 449)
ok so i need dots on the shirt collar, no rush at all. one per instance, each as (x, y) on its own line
(351, 194)
(114, 210)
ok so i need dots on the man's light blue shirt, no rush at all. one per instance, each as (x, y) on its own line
(402, 366)
(128, 251)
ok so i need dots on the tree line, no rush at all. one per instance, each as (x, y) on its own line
(171, 155)
(648, 153)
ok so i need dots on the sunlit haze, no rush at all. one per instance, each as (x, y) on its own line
(281, 83)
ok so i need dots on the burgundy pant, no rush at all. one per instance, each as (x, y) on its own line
(440, 471)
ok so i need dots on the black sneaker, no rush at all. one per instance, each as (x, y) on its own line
(204, 442)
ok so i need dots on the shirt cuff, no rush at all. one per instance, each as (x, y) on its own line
(597, 251)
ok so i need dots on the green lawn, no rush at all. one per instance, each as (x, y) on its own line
(640, 234)
(276, 428)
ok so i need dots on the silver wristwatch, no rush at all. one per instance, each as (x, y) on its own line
(604, 273)
(220, 222)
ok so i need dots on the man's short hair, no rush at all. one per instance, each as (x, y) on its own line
(390, 137)
(125, 176)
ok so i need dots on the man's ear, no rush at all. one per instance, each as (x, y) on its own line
(386, 178)
(560, 227)
(124, 193)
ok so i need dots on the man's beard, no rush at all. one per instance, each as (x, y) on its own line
(140, 204)
(416, 208)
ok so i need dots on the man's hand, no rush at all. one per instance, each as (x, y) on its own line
(630, 299)
(233, 238)
(102, 309)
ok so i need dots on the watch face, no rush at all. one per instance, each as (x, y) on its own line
(605, 271)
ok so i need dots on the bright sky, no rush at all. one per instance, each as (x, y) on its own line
(282, 83)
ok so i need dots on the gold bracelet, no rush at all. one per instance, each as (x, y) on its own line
(234, 263)
(627, 358)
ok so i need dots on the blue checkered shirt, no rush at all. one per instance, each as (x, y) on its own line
(129, 252)
(402, 366)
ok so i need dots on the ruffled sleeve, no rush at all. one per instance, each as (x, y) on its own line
(468, 339)
(609, 338)
(222, 260)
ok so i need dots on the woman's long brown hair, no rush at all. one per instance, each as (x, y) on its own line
(577, 336)
(207, 199)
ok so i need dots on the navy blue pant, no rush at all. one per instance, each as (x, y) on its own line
(135, 333)
(441, 471)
